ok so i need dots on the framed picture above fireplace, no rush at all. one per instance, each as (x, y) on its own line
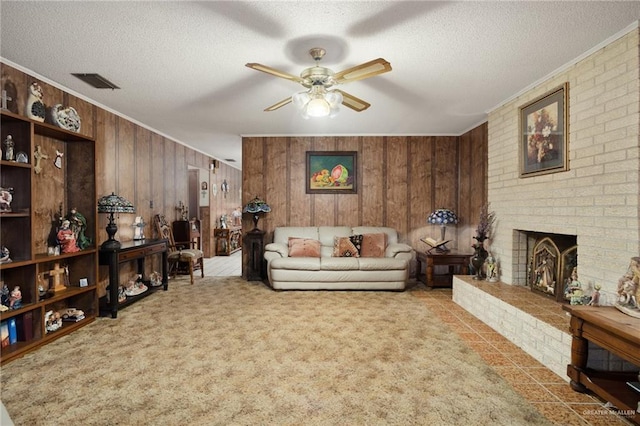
(543, 133)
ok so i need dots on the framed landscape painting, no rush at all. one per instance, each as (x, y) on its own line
(331, 172)
(543, 133)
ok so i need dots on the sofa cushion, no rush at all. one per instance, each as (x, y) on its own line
(381, 264)
(327, 233)
(373, 245)
(339, 264)
(392, 234)
(304, 247)
(296, 263)
(344, 247)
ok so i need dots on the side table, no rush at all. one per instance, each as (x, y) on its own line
(254, 247)
(458, 263)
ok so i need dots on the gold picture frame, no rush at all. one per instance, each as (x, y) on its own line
(543, 130)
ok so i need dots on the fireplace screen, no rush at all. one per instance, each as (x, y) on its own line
(553, 259)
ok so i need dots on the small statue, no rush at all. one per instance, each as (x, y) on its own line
(67, 238)
(52, 320)
(595, 297)
(15, 298)
(574, 291)
(6, 197)
(4, 295)
(237, 216)
(9, 149)
(4, 255)
(35, 108)
(492, 269)
(78, 225)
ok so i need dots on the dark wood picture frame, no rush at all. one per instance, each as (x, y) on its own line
(543, 130)
(331, 172)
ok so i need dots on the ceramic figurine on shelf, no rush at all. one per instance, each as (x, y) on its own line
(9, 148)
(4, 296)
(4, 255)
(67, 238)
(35, 108)
(78, 225)
(492, 269)
(15, 298)
(65, 118)
(6, 197)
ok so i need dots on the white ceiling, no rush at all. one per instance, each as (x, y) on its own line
(180, 65)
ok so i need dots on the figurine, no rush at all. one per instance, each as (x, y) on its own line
(492, 273)
(39, 155)
(628, 286)
(52, 321)
(155, 279)
(67, 238)
(4, 296)
(15, 298)
(595, 297)
(574, 291)
(78, 225)
(35, 108)
(237, 216)
(9, 149)
(4, 255)
(138, 228)
(6, 197)
(65, 118)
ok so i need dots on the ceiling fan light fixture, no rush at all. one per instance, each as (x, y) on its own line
(317, 102)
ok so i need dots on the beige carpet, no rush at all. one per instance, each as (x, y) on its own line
(228, 352)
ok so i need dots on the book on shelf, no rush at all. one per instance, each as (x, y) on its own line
(25, 327)
(434, 243)
(13, 333)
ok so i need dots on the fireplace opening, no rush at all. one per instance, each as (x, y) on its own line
(552, 264)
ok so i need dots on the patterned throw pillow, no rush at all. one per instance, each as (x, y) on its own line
(343, 247)
(304, 247)
(373, 245)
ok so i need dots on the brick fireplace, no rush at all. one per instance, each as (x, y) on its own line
(596, 201)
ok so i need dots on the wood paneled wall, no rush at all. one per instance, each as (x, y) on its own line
(401, 179)
(146, 168)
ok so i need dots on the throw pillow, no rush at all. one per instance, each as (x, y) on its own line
(343, 247)
(373, 245)
(304, 247)
(357, 242)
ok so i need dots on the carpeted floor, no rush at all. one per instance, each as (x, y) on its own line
(228, 352)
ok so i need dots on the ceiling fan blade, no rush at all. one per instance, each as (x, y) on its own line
(279, 104)
(273, 71)
(362, 71)
(352, 102)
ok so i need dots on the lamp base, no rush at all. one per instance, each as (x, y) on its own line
(110, 245)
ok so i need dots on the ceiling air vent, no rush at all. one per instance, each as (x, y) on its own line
(96, 80)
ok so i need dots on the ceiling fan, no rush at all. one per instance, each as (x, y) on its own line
(318, 101)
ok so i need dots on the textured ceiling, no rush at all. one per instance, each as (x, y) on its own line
(180, 65)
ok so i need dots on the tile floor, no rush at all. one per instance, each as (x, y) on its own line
(547, 391)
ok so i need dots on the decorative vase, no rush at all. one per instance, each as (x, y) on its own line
(478, 258)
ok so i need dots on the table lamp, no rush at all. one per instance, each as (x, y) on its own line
(442, 217)
(256, 207)
(113, 204)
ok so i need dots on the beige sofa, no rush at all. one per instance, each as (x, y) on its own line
(328, 272)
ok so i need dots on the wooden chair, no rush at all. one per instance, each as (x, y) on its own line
(193, 257)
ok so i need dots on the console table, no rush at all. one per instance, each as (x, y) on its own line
(228, 240)
(619, 334)
(451, 259)
(129, 251)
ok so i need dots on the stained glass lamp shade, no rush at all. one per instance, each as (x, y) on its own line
(442, 217)
(256, 207)
(113, 204)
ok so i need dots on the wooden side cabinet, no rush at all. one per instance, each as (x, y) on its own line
(457, 263)
(228, 240)
(254, 246)
(619, 334)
